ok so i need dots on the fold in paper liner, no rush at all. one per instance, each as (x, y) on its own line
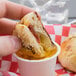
(67, 57)
(36, 41)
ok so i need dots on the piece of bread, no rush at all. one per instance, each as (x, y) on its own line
(67, 57)
(35, 39)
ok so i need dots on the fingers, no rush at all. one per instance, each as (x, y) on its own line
(12, 10)
(16, 11)
(9, 45)
(2, 8)
(6, 26)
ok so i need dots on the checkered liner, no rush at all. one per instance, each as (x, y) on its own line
(6, 73)
(58, 33)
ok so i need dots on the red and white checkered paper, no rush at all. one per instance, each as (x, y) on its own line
(58, 33)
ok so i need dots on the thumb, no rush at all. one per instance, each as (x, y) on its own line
(8, 45)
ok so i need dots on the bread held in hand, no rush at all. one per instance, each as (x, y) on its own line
(35, 40)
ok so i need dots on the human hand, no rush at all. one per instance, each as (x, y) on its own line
(10, 10)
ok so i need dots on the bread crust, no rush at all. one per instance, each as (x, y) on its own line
(67, 57)
(33, 35)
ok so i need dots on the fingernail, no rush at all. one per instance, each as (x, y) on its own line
(15, 43)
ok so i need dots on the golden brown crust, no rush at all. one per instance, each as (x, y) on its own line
(67, 57)
(28, 40)
(39, 29)
(33, 35)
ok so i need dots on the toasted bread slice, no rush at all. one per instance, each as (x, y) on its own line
(33, 20)
(35, 39)
(28, 40)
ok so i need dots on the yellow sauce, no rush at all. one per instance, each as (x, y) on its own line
(24, 54)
